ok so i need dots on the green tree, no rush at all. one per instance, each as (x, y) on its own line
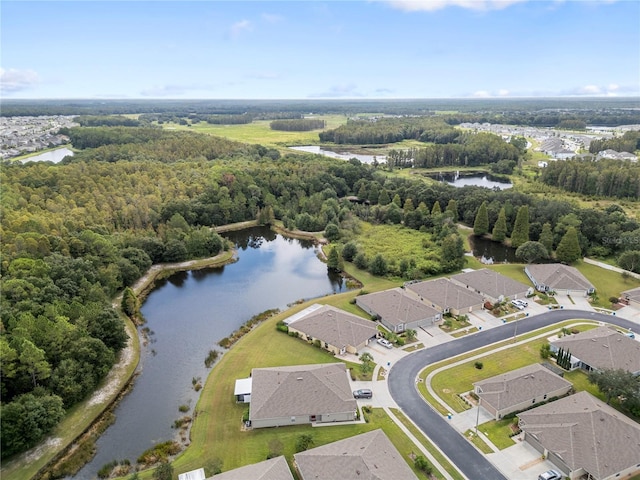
(164, 471)
(408, 206)
(546, 237)
(452, 252)
(531, 252)
(422, 464)
(411, 334)
(452, 210)
(397, 201)
(481, 223)
(383, 198)
(630, 260)
(304, 442)
(33, 361)
(436, 210)
(333, 260)
(378, 266)
(366, 363)
(569, 247)
(360, 261)
(499, 232)
(520, 233)
(129, 302)
(349, 251)
(616, 383)
(332, 232)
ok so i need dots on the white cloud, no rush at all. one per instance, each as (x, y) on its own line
(503, 92)
(239, 27)
(432, 5)
(481, 94)
(339, 91)
(14, 80)
(159, 91)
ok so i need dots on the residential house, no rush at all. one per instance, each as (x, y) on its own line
(446, 296)
(242, 390)
(584, 437)
(559, 278)
(397, 310)
(519, 390)
(369, 456)
(493, 286)
(193, 475)
(275, 468)
(615, 155)
(600, 348)
(300, 394)
(632, 297)
(338, 331)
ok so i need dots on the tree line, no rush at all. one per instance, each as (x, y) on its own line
(628, 142)
(297, 125)
(603, 178)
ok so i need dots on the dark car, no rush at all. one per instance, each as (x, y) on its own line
(362, 393)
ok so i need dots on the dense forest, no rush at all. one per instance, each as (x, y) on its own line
(629, 142)
(604, 178)
(76, 233)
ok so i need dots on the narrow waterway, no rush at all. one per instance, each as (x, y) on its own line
(188, 314)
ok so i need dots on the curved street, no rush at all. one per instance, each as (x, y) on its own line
(403, 376)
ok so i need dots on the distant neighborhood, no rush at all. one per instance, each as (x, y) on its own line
(22, 135)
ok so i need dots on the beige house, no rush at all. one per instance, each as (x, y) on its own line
(584, 437)
(338, 331)
(369, 456)
(559, 278)
(397, 310)
(301, 394)
(600, 348)
(493, 286)
(519, 389)
(273, 469)
(446, 296)
(632, 297)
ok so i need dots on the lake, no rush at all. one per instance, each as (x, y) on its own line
(54, 156)
(461, 179)
(188, 314)
(342, 156)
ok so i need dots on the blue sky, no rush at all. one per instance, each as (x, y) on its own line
(333, 49)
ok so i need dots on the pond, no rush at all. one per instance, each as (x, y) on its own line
(489, 251)
(54, 156)
(462, 179)
(188, 313)
(343, 156)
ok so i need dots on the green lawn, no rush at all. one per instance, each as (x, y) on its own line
(607, 283)
(499, 431)
(477, 441)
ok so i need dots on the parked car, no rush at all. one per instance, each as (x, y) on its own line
(550, 475)
(517, 305)
(362, 393)
(385, 343)
(524, 303)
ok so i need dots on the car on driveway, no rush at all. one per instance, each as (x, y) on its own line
(362, 393)
(517, 305)
(550, 475)
(385, 343)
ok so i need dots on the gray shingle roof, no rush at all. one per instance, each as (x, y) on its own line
(587, 433)
(559, 277)
(445, 294)
(396, 307)
(603, 348)
(272, 469)
(336, 327)
(491, 283)
(512, 388)
(300, 390)
(370, 456)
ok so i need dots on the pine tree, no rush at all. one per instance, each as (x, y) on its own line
(569, 247)
(520, 233)
(481, 223)
(452, 208)
(436, 210)
(546, 237)
(499, 232)
(333, 260)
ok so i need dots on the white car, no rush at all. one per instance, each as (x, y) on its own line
(385, 343)
(550, 475)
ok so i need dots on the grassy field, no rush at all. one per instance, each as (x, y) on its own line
(607, 283)
(455, 380)
(499, 431)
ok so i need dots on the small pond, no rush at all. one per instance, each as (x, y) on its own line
(343, 156)
(489, 251)
(54, 156)
(461, 179)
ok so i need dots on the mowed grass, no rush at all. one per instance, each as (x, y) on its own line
(450, 382)
(608, 283)
(259, 132)
(499, 432)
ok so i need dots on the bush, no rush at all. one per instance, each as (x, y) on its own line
(478, 365)
(282, 327)
(304, 442)
(545, 351)
(421, 464)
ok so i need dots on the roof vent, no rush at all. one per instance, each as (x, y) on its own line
(299, 378)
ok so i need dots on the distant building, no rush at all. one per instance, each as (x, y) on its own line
(614, 155)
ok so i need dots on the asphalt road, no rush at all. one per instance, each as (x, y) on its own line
(403, 376)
